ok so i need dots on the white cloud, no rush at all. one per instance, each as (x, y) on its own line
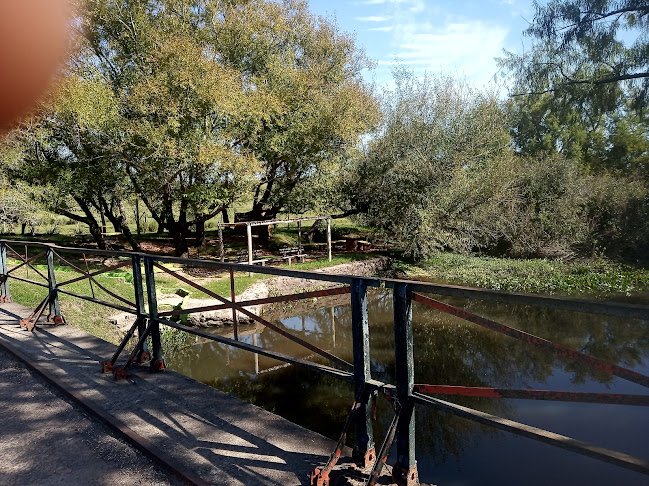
(430, 37)
(378, 2)
(373, 18)
(468, 47)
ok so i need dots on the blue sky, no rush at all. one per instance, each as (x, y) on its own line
(460, 37)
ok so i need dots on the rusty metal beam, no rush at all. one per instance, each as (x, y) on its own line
(92, 280)
(613, 457)
(97, 301)
(255, 317)
(113, 294)
(336, 373)
(97, 272)
(382, 456)
(30, 322)
(33, 282)
(557, 349)
(320, 477)
(562, 303)
(71, 265)
(25, 261)
(28, 263)
(560, 396)
(266, 300)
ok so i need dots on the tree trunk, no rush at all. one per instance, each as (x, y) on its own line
(200, 233)
(179, 234)
(89, 219)
(120, 222)
(137, 216)
(179, 230)
(158, 217)
(125, 229)
(97, 235)
(225, 216)
(103, 221)
(23, 227)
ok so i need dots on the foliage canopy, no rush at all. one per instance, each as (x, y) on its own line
(191, 104)
(590, 51)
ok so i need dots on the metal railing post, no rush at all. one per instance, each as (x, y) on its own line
(364, 450)
(5, 295)
(157, 360)
(54, 315)
(138, 287)
(405, 469)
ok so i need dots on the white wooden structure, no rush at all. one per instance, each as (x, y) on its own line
(250, 224)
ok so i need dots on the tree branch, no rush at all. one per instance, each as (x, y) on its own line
(596, 82)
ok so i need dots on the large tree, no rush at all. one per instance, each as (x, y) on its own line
(435, 176)
(591, 51)
(209, 102)
(581, 87)
(313, 73)
(65, 153)
(183, 112)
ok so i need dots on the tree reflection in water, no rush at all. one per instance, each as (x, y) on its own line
(447, 351)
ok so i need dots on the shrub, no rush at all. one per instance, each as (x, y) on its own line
(615, 214)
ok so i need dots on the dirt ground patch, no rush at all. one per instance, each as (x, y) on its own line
(45, 439)
(260, 290)
(287, 285)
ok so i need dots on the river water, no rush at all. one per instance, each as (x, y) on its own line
(453, 451)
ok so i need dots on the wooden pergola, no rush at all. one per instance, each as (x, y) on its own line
(250, 224)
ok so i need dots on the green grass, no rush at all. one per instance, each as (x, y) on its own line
(168, 284)
(93, 318)
(88, 316)
(533, 275)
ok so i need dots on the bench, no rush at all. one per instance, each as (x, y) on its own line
(364, 245)
(87, 237)
(353, 243)
(242, 257)
(290, 253)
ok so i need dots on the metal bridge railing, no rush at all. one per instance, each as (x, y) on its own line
(404, 395)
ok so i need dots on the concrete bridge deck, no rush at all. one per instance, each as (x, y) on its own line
(202, 434)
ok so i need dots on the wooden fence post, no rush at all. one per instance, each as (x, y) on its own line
(221, 246)
(329, 237)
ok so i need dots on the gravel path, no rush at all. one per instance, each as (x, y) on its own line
(47, 440)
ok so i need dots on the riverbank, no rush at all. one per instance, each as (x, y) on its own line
(265, 287)
(584, 277)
